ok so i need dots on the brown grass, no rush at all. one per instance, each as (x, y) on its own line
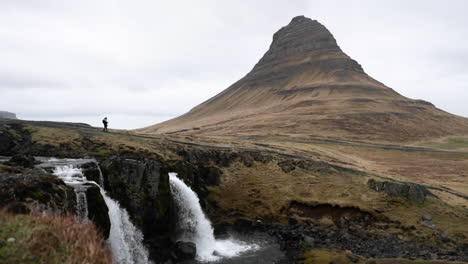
(50, 239)
(326, 256)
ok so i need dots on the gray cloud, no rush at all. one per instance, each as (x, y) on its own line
(141, 62)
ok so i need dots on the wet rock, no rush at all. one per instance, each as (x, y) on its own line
(411, 191)
(185, 250)
(91, 171)
(98, 212)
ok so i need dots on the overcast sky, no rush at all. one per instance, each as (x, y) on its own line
(143, 62)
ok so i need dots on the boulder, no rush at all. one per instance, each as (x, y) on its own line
(185, 250)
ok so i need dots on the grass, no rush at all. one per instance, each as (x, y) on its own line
(49, 239)
(327, 256)
(56, 137)
(451, 143)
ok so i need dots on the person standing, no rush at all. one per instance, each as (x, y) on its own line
(104, 121)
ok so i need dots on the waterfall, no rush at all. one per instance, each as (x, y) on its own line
(196, 227)
(125, 240)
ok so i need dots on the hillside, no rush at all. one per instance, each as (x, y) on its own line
(306, 86)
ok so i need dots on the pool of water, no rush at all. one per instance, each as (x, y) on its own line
(267, 252)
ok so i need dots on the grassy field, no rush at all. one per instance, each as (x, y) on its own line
(451, 143)
(327, 256)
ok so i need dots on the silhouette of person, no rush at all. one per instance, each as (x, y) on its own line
(104, 121)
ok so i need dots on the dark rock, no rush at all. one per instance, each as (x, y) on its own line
(353, 258)
(310, 241)
(141, 186)
(35, 191)
(286, 166)
(91, 171)
(257, 156)
(411, 191)
(185, 250)
(211, 175)
(25, 161)
(98, 212)
(427, 218)
(444, 237)
(247, 159)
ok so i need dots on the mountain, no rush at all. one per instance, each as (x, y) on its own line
(5, 114)
(306, 86)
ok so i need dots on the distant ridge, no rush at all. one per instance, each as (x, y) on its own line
(306, 86)
(5, 114)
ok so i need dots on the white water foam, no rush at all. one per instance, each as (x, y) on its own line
(197, 228)
(125, 240)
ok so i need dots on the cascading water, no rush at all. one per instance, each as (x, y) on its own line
(125, 240)
(74, 177)
(197, 228)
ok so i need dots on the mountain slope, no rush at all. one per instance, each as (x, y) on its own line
(306, 86)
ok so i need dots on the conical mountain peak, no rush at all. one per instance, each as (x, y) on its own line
(305, 40)
(301, 35)
(306, 86)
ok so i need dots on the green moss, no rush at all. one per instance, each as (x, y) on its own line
(14, 133)
(101, 151)
(39, 196)
(449, 143)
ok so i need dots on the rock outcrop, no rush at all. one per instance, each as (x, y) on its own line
(33, 191)
(411, 191)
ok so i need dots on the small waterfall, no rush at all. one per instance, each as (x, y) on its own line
(125, 240)
(74, 177)
(101, 177)
(196, 227)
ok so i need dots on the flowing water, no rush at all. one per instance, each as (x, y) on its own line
(195, 227)
(125, 240)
